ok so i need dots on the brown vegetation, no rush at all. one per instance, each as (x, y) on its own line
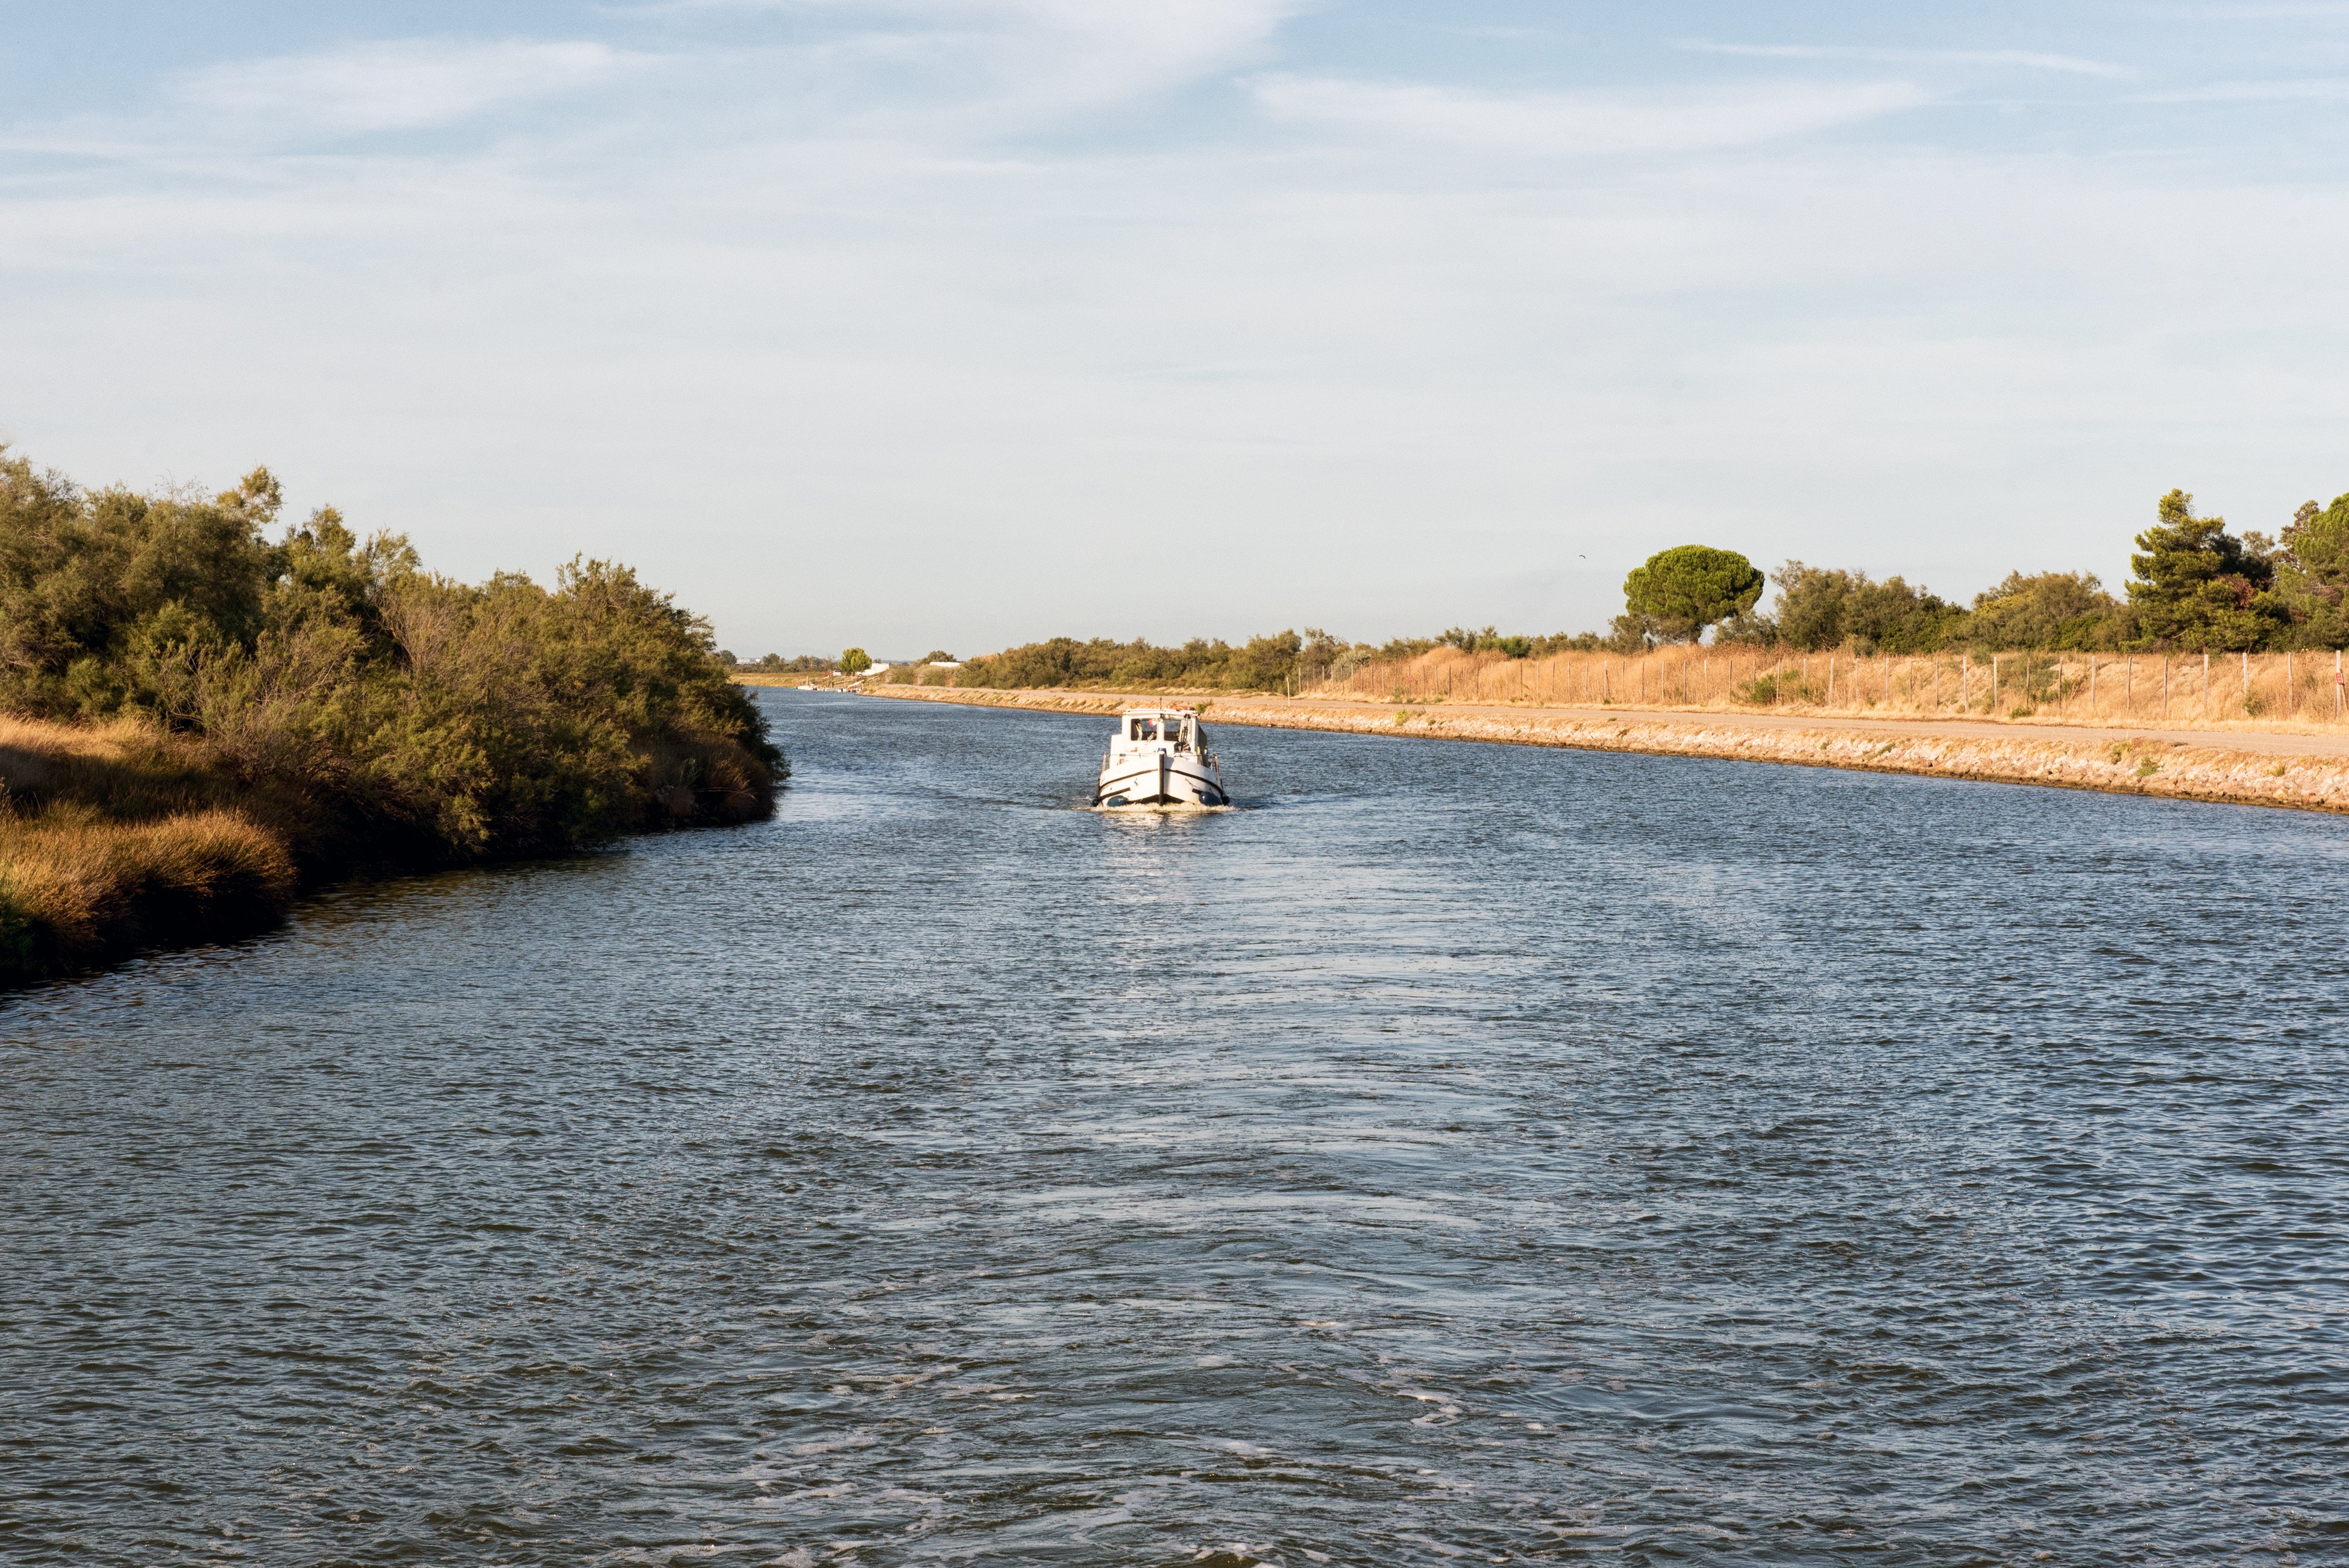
(121, 838)
(2174, 690)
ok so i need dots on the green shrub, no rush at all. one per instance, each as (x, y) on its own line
(1778, 687)
(457, 721)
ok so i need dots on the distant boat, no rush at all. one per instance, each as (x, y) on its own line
(1160, 758)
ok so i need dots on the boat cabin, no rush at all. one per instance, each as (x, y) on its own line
(1175, 730)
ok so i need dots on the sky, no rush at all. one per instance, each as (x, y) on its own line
(956, 324)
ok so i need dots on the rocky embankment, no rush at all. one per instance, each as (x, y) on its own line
(2185, 771)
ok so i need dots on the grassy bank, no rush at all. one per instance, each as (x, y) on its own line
(201, 715)
(118, 837)
(2165, 768)
(2169, 690)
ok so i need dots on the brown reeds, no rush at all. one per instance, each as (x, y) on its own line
(116, 838)
(2264, 691)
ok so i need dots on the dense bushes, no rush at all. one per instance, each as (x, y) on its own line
(776, 664)
(1262, 663)
(413, 719)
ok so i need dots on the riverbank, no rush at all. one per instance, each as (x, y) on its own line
(119, 838)
(2295, 770)
(203, 711)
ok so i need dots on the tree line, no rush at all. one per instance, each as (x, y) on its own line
(420, 717)
(2194, 587)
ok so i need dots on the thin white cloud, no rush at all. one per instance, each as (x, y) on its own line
(965, 71)
(1592, 124)
(1084, 52)
(2025, 59)
(1088, 50)
(2302, 10)
(1516, 34)
(2325, 89)
(409, 84)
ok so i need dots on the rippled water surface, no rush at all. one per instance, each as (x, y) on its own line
(1465, 1153)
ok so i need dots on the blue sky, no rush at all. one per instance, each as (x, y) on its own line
(958, 323)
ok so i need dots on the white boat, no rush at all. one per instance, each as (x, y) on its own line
(1160, 758)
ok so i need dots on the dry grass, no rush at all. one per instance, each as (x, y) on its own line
(2180, 691)
(119, 838)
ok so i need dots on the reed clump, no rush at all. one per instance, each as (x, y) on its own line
(117, 839)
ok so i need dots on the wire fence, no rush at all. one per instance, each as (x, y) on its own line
(2136, 688)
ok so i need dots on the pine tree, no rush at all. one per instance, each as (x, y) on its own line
(2198, 587)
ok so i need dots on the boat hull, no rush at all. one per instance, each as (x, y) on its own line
(1166, 781)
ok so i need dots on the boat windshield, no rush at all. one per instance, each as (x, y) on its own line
(1184, 733)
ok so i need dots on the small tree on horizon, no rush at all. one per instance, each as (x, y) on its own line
(854, 661)
(1681, 591)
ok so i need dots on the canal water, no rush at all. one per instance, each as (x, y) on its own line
(1460, 1154)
